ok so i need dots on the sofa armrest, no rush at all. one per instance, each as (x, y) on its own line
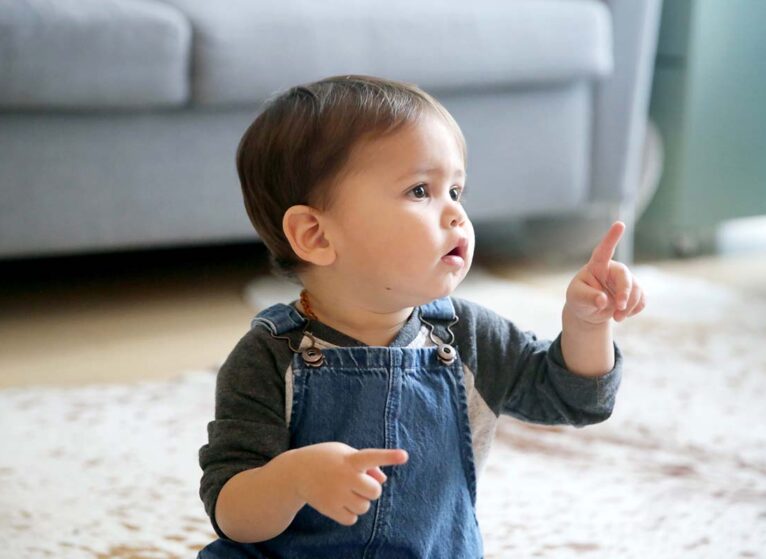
(622, 101)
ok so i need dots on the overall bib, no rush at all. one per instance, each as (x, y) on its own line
(382, 397)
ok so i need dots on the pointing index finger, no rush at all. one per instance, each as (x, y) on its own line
(603, 253)
(371, 457)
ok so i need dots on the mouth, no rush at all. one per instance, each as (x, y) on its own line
(457, 254)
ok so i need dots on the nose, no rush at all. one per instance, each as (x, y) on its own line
(454, 214)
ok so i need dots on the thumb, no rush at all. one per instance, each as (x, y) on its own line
(583, 295)
(368, 458)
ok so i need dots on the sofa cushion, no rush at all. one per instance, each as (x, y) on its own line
(93, 54)
(248, 50)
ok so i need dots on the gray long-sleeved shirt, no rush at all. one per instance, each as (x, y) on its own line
(506, 371)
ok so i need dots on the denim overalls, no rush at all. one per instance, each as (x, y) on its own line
(382, 397)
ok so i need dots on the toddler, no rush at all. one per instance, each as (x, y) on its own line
(355, 421)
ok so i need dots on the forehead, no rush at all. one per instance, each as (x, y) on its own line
(428, 143)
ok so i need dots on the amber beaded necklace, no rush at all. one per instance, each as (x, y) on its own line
(307, 306)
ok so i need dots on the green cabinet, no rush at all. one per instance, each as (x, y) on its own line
(709, 103)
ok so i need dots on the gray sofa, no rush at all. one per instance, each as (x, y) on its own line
(119, 119)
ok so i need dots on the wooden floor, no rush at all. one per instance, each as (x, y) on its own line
(127, 317)
(155, 314)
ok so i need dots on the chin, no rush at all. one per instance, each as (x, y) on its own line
(448, 288)
(445, 286)
(421, 298)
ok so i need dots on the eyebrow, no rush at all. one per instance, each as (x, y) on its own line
(458, 173)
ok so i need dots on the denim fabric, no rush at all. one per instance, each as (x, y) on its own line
(382, 397)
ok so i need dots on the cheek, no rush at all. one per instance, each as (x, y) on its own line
(400, 247)
(414, 232)
(383, 239)
(367, 242)
(471, 239)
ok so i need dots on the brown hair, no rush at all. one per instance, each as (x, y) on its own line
(300, 143)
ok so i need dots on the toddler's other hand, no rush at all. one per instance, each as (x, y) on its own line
(339, 481)
(603, 288)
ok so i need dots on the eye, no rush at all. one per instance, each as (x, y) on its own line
(456, 193)
(419, 191)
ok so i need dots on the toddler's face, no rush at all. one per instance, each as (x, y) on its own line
(398, 215)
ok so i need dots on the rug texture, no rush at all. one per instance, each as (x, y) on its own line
(679, 470)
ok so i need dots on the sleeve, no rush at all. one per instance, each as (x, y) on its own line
(249, 428)
(542, 390)
(526, 378)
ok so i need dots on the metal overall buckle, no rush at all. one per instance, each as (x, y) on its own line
(312, 356)
(446, 352)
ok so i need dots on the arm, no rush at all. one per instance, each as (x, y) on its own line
(519, 375)
(260, 503)
(335, 479)
(574, 379)
(251, 477)
(601, 290)
(587, 349)
(249, 431)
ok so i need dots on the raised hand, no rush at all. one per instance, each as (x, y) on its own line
(603, 288)
(339, 481)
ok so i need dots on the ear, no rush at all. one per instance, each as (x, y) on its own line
(303, 228)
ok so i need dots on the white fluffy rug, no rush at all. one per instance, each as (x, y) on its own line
(679, 470)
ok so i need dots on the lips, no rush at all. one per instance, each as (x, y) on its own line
(460, 249)
(455, 252)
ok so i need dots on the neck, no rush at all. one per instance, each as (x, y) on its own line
(366, 323)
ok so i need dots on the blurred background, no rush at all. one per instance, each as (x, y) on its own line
(119, 120)
(125, 250)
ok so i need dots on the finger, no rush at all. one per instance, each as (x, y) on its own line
(377, 474)
(357, 505)
(587, 296)
(345, 517)
(368, 458)
(640, 306)
(603, 253)
(620, 284)
(368, 488)
(635, 297)
(633, 300)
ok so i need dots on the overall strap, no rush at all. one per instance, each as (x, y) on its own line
(441, 314)
(279, 318)
(440, 309)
